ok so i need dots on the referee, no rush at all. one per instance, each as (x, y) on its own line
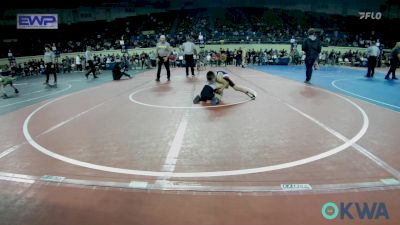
(373, 53)
(188, 50)
(50, 61)
(163, 50)
(89, 60)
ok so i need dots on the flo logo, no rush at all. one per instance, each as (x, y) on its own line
(355, 210)
(370, 15)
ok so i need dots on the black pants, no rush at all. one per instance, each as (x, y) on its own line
(189, 63)
(50, 70)
(371, 66)
(309, 67)
(160, 63)
(392, 69)
(238, 61)
(118, 74)
(79, 67)
(92, 68)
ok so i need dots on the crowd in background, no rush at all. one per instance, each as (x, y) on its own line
(230, 25)
(222, 57)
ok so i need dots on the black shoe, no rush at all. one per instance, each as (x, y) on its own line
(158, 79)
(251, 95)
(169, 79)
(387, 78)
(87, 76)
(196, 100)
(16, 91)
(4, 96)
(367, 76)
(95, 77)
(395, 78)
(307, 82)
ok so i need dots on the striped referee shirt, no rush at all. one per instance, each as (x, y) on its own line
(48, 57)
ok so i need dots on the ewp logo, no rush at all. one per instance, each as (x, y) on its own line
(37, 21)
(363, 211)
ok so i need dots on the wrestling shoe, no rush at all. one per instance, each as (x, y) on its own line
(196, 100)
(214, 101)
(251, 95)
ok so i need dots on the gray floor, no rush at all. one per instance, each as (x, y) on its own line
(32, 90)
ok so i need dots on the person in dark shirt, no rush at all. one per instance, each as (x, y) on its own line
(394, 62)
(312, 47)
(118, 72)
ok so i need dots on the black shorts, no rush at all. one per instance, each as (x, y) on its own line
(207, 93)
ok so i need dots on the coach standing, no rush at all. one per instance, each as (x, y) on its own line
(188, 50)
(373, 52)
(312, 47)
(163, 50)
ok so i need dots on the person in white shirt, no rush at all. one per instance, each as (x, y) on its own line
(201, 40)
(78, 63)
(208, 58)
(373, 52)
(188, 50)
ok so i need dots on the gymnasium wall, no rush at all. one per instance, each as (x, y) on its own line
(4, 61)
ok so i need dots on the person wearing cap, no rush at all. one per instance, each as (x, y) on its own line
(50, 61)
(4, 81)
(312, 47)
(188, 50)
(373, 53)
(163, 50)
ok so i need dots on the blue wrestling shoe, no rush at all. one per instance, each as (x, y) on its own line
(214, 101)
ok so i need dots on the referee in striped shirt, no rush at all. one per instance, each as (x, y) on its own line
(373, 52)
(50, 61)
(89, 59)
(188, 50)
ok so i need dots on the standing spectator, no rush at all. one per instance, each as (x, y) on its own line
(239, 57)
(312, 47)
(78, 63)
(394, 61)
(50, 61)
(163, 50)
(201, 40)
(188, 50)
(373, 53)
(89, 60)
